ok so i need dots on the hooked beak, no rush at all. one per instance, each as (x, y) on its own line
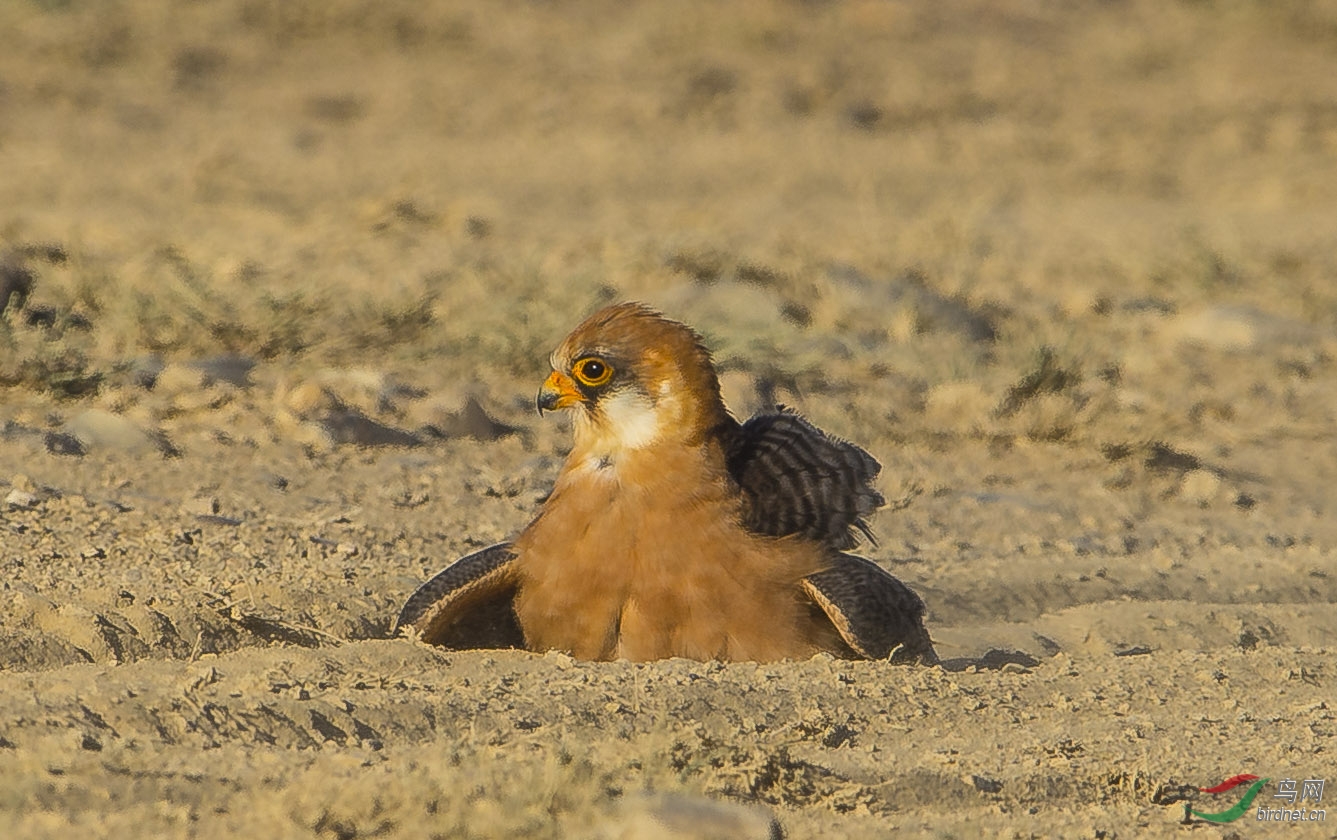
(558, 391)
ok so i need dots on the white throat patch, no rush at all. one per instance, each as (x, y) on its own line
(631, 421)
(628, 420)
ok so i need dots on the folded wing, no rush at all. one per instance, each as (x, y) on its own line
(797, 479)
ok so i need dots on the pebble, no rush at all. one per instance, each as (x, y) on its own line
(97, 428)
(312, 414)
(1238, 328)
(1200, 487)
(20, 499)
(201, 506)
(686, 817)
(472, 421)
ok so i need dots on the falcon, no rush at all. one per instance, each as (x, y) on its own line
(673, 530)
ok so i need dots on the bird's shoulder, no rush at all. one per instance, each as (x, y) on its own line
(797, 479)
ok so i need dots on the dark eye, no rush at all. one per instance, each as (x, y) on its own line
(593, 372)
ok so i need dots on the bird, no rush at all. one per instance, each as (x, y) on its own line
(674, 530)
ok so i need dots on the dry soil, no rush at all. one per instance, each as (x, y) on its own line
(279, 282)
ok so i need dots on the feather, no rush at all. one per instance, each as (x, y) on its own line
(797, 479)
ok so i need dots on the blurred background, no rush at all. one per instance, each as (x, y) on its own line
(1102, 231)
(307, 180)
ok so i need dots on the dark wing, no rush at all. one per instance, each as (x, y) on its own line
(797, 479)
(876, 614)
(470, 604)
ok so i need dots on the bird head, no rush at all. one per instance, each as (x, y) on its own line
(634, 378)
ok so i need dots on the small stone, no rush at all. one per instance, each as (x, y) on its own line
(1221, 327)
(20, 499)
(178, 379)
(1200, 487)
(306, 400)
(472, 421)
(314, 413)
(201, 506)
(100, 429)
(190, 389)
(683, 817)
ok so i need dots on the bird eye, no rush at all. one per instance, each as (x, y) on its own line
(593, 372)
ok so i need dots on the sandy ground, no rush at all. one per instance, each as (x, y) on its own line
(280, 281)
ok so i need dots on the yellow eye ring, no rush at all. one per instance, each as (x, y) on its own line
(592, 371)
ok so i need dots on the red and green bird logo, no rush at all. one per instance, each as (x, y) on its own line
(1235, 811)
